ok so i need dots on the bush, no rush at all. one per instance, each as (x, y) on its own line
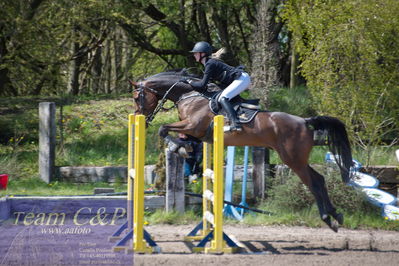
(295, 101)
(292, 194)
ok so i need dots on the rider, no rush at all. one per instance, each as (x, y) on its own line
(234, 80)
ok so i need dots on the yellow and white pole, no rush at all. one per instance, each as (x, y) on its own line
(130, 172)
(217, 244)
(206, 185)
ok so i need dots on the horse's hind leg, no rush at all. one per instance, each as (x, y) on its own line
(330, 209)
(294, 142)
(316, 184)
(319, 190)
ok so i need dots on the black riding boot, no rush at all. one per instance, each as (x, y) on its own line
(231, 113)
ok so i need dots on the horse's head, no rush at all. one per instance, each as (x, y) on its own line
(145, 98)
(147, 93)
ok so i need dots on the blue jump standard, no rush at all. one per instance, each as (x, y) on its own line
(229, 210)
(129, 235)
(209, 237)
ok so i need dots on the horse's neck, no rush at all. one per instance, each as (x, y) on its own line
(177, 91)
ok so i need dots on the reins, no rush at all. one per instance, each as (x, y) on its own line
(151, 116)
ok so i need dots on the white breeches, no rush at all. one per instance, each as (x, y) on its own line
(236, 87)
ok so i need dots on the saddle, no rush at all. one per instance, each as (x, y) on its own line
(246, 108)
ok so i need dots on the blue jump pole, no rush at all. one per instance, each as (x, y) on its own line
(244, 183)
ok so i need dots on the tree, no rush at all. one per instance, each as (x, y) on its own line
(267, 54)
(349, 52)
(170, 29)
(75, 47)
(12, 40)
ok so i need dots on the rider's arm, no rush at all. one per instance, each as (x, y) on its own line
(208, 73)
(200, 85)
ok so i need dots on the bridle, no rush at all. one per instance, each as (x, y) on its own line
(141, 88)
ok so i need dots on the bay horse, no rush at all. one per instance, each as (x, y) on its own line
(289, 135)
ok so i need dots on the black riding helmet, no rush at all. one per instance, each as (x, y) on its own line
(202, 47)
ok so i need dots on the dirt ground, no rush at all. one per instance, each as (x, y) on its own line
(261, 245)
(281, 245)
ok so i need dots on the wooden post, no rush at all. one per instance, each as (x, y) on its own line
(47, 133)
(267, 168)
(175, 198)
(260, 158)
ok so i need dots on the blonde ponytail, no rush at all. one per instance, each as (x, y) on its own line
(219, 54)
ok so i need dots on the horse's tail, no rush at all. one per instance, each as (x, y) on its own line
(338, 141)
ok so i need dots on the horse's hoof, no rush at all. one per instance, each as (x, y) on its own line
(332, 224)
(339, 218)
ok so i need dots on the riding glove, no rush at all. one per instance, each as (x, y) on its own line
(185, 80)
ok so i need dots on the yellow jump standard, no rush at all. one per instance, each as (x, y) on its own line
(142, 241)
(211, 227)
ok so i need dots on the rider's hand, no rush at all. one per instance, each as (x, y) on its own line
(185, 80)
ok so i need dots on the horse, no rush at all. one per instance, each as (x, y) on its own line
(289, 135)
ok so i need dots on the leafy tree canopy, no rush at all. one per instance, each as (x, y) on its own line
(350, 59)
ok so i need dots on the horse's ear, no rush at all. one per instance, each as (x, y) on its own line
(134, 84)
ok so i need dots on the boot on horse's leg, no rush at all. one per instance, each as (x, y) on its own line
(178, 147)
(175, 145)
(231, 113)
(172, 144)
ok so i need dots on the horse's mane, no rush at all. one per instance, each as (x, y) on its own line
(180, 72)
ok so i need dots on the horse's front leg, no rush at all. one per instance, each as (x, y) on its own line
(175, 144)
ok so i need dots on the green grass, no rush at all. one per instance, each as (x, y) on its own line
(306, 217)
(36, 187)
(310, 217)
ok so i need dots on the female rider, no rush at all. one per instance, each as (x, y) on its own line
(234, 80)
